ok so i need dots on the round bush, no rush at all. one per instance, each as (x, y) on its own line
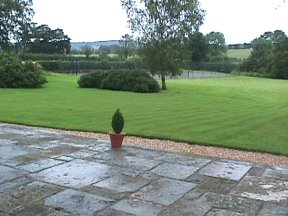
(124, 80)
(15, 74)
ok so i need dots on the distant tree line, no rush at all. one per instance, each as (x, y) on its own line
(269, 57)
(18, 33)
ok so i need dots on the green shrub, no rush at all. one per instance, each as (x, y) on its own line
(117, 122)
(17, 74)
(125, 80)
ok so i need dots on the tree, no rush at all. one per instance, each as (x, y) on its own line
(46, 40)
(198, 47)
(15, 21)
(279, 62)
(260, 57)
(88, 51)
(275, 37)
(127, 46)
(216, 46)
(162, 26)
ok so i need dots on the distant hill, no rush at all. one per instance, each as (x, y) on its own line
(77, 46)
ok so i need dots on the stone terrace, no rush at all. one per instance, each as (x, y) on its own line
(49, 173)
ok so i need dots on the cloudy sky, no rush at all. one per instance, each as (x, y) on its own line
(92, 20)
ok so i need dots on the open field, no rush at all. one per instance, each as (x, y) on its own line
(239, 53)
(235, 112)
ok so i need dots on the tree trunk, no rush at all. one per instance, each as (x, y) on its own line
(164, 87)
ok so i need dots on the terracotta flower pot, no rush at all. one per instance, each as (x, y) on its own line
(116, 139)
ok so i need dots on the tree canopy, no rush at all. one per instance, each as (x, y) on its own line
(162, 26)
(269, 56)
(15, 21)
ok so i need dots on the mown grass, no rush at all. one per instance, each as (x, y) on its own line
(239, 53)
(235, 112)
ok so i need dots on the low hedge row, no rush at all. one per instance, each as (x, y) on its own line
(86, 66)
(124, 80)
(17, 74)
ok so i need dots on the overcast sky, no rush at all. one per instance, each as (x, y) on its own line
(93, 20)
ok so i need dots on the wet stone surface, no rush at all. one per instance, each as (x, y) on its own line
(77, 202)
(175, 171)
(122, 183)
(225, 170)
(53, 174)
(8, 173)
(265, 189)
(76, 174)
(137, 207)
(164, 191)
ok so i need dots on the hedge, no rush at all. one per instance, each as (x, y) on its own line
(124, 80)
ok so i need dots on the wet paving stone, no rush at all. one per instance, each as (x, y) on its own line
(137, 207)
(39, 165)
(230, 171)
(79, 203)
(175, 171)
(63, 158)
(9, 185)
(112, 212)
(265, 189)
(276, 173)
(6, 142)
(81, 154)
(210, 201)
(12, 150)
(272, 209)
(8, 173)
(76, 174)
(216, 185)
(223, 212)
(45, 146)
(123, 183)
(34, 209)
(103, 192)
(135, 166)
(26, 194)
(164, 191)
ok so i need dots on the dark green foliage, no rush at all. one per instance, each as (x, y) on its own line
(269, 58)
(259, 58)
(117, 122)
(124, 80)
(279, 66)
(15, 74)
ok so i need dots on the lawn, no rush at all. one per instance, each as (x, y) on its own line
(235, 112)
(239, 53)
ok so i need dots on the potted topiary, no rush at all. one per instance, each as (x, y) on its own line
(116, 137)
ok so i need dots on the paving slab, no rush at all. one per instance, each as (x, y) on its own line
(9, 185)
(137, 207)
(39, 165)
(164, 191)
(8, 173)
(225, 170)
(265, 189)
(80, 203)
(76, 174)
(271, 209)
(26, 194)
(175, 171)
(122, 183)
